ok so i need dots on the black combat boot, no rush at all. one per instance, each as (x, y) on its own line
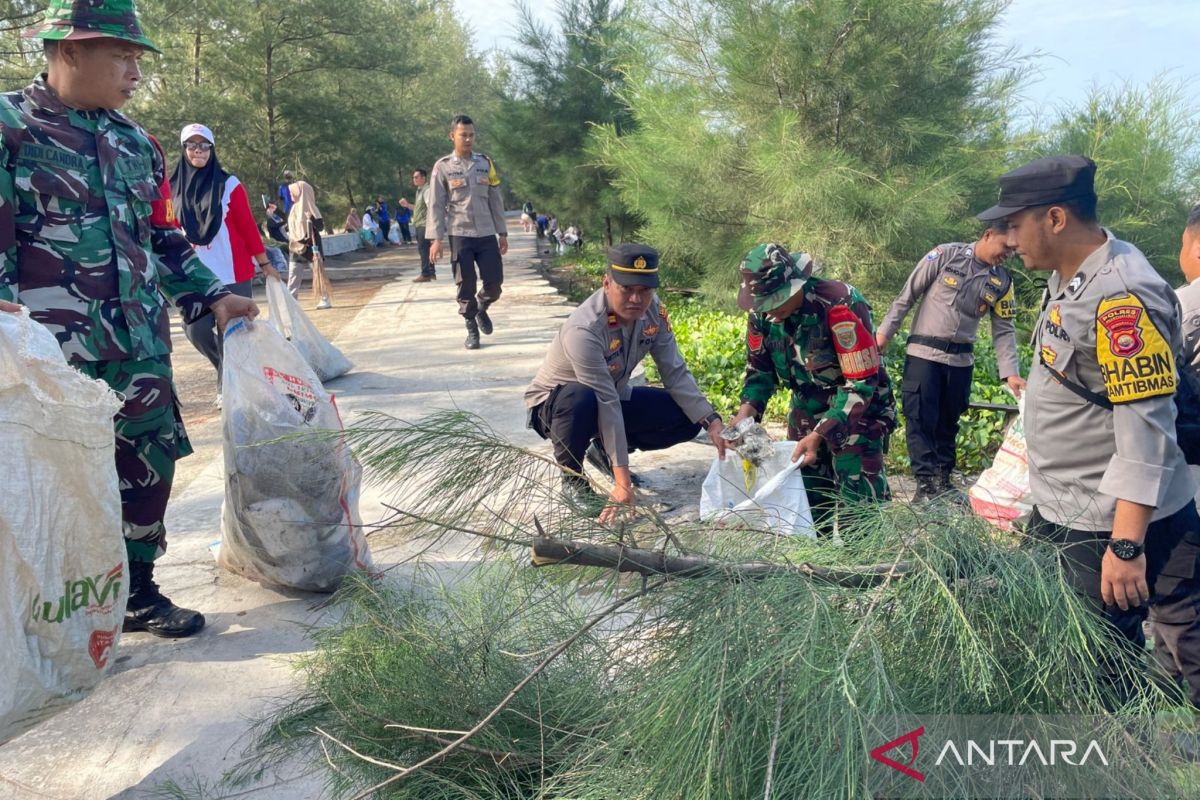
(927, 489)
(150, 611)
(472, 342)
(485, 322)
(949, 491)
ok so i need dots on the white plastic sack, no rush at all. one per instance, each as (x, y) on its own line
(62, 555)
(290, 516)
(291, 321)
(1001, 495)
(771, 496)
(394, 233)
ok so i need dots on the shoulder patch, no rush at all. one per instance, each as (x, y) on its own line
(855, 346)
(1006, 306)
(934, 253)
(1136, 361)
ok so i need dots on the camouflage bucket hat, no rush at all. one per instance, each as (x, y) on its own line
(771, 276)
(91, 19)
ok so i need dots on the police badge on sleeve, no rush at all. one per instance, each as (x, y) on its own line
(1135, 359)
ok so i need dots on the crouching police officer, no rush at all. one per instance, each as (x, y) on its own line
(1109, 483)
(957, 285)
(581, 399)
(815, 337)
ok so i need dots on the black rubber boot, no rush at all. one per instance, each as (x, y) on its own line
(485, 322)
(472, 342)
(150, 611)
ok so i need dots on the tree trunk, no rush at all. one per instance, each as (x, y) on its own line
(196, 58)
(608, 229)
(270, 86)
(350, 194)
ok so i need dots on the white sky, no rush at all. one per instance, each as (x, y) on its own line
(1101, 42)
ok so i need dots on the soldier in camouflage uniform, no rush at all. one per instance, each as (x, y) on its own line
(89, 244)
(814, 336)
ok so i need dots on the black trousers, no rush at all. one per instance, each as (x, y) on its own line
(1173, 575)
(205, 337)
(467, 254)
(569, 419)
(423, 246)
(934, 397)
(405, 231)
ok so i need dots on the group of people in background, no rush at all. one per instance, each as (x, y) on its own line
(379, 226)
(546, 225)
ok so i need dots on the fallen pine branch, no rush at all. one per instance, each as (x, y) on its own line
(554, 552)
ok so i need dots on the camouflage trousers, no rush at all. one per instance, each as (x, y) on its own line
(150, 438)
(841, 480)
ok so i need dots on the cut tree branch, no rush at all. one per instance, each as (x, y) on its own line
(552, 552)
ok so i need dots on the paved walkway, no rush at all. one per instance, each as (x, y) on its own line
(180, 710)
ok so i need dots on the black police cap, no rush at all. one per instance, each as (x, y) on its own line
(633, 265)
(1054, 179)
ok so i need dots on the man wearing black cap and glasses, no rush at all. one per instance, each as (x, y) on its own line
(1110, 485)
(581, 399)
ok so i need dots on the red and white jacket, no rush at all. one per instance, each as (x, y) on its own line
(232, 252)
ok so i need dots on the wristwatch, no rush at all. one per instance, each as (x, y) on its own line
(1125, 549)
(709, 420)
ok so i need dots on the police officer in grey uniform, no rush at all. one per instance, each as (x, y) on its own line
(465, 204)
(957, 285)
(581, 396)
(1109, 482)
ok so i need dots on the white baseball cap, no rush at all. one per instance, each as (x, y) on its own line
(195, 129)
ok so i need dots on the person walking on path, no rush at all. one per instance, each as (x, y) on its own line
(215, 212)
(465, 204)
(304, 243)
(420, 210)
(89, 244)
(957, 285)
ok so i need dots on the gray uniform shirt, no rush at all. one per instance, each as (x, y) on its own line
(594, 349)
(464, 198)
(956, 290)
(1189, 300)
(1112, 329)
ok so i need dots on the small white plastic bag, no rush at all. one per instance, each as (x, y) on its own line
(771, 496)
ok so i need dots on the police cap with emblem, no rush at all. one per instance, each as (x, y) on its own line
(91, 19)
(633, 265)
(1054, 179)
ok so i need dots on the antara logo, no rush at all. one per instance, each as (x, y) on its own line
(912, 738)
(989, 752)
